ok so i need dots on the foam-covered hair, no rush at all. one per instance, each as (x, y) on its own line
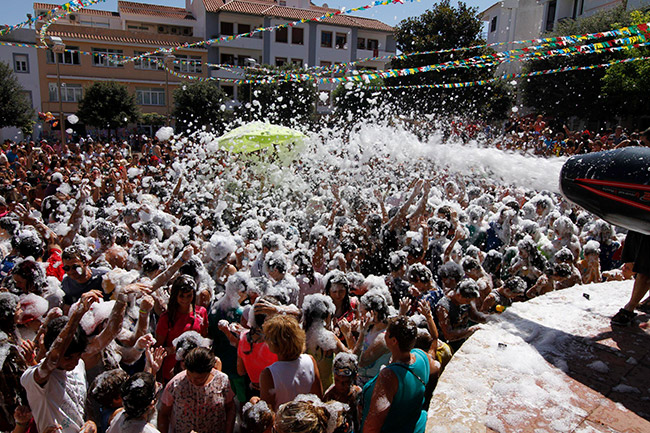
(220, 247)
(187, 341)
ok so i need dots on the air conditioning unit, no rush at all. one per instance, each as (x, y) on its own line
(187, 31)
(72, 17)
(162, 29)
(174, 30)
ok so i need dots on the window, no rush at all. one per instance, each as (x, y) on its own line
(326, 39)
(341, 41)
(188, 64)
(107, 57)
(21, 63)
(550, 16)
(149, 63)
(325, 64)
(280, 61)
(493, 24)
(361, 43)
(297, 62)
(227, 28)
(69, 92)
(243, 28)
(150, 96)
(297, 36)
(373, 44)
(69, 57)
(282, 2)
(229, 91)
(282, 35)
(227, 59)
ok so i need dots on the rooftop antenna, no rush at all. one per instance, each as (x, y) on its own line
(29, 18)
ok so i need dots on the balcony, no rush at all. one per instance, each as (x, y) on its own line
(254, 43)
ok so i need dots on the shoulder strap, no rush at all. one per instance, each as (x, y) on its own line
(408, 369)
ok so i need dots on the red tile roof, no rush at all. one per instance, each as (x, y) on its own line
(121, 36)
(270, 8)
(154, 10)
(85, 11)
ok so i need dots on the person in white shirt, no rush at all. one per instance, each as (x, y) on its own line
(56, 387)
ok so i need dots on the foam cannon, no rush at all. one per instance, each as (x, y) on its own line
(615, 185)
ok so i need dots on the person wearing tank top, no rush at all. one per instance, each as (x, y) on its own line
(295, 372)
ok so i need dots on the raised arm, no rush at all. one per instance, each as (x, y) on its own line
(76, 217)
(60, 345)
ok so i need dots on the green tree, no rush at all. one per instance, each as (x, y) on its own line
(576, 92)
(626, 86)
(283, 102)
(444, 27)
(108, 105)
(198, 104)
(153, 119)
(355, 99)
(15, 109)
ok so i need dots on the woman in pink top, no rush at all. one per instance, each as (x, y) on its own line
(198, 399)
(182, 315)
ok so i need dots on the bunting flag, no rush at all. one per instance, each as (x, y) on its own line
(507, 77)
(389, 73)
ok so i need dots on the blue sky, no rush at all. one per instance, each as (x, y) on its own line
(390, 14)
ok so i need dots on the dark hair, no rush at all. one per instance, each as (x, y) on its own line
(256, 417)
(374, 301)
(122, 236)
(106, 387)
(338, 277)
(404, 330)
(138, 391)
(470, 263)
(9, 224)
(8, 306)
(199, 360)
(564, 255)
(79, 339)
(181, 284)
(562, 270)
(468, 288)
(451, 270)
(28, 246)
(33, 274)
(419, 273)
(492, 262)
(75, 252)
(516, 285)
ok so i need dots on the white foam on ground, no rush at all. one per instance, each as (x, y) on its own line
(502, 387)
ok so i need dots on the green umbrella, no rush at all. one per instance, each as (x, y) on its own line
(257, 135)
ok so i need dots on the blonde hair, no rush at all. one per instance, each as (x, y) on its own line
(301, 417)
(285, 336)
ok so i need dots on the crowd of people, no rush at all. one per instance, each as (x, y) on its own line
(184, 289)
(536, 135)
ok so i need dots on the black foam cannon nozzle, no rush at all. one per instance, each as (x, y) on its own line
(615, 185)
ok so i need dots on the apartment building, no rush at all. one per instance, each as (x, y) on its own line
(89, 35)
(23, 61)
(340, 39)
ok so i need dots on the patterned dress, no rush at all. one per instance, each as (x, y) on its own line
(198, 408)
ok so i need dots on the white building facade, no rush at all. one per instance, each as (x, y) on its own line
(24, 63)
(340, 39)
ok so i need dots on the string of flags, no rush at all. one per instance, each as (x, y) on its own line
(625, 38)
(509, 77)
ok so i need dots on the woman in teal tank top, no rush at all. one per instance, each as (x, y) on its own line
(393, 401)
